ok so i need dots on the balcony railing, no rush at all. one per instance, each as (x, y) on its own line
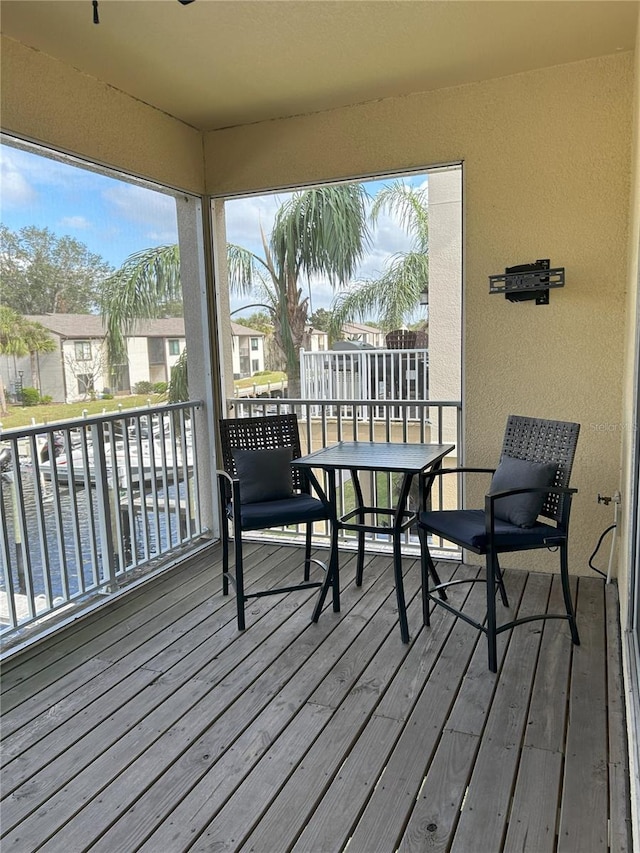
(85, 504)
(325, 421)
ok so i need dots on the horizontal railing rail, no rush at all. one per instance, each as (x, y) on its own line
(86, 503)
(324, 422)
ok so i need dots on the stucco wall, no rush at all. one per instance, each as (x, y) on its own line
(630, 412)
(43, 100)
(546, 175)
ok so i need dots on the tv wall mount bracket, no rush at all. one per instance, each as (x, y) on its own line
(528, 282)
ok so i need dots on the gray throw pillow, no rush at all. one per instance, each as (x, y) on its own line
(265, 475)
(523, 509)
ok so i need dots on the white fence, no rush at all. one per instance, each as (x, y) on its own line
(371, 374)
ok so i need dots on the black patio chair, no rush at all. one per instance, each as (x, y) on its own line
(531, 481)
(259, 489)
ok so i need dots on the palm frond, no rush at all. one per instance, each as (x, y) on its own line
(411, 208)
(322, 230)
(391, 298)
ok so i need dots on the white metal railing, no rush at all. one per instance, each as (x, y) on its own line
(324, 422)
(85, 502)
(368, 375)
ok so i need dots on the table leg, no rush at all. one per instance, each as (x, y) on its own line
(333, 574)
(359, 504)
(397, 556)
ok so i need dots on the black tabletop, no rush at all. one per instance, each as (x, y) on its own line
(375, 456)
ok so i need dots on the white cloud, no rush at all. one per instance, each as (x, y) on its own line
(78, 223)
(16, 189)
(153, 211)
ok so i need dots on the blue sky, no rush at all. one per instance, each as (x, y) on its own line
(115, 219)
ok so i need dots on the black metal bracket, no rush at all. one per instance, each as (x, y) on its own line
(527, 282)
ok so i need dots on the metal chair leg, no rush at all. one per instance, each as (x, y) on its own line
(500, 581)
(566, 592)
(239, 571)
(491, 612)
(307, 553)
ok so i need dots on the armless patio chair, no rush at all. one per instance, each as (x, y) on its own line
(260, 489)
(529, 489)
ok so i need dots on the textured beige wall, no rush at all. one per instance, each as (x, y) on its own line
(630, 411)
(547, 174)
(43, 100)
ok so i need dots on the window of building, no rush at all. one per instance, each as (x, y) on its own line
(83, 350)
(85, 383)
(174, 347)
(255, 365)
(155, 348)
(254, 344)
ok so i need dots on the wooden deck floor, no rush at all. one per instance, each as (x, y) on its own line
(154, 725)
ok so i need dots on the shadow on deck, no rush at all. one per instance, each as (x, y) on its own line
(154, 725)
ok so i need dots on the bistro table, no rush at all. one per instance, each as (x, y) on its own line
(385, 457)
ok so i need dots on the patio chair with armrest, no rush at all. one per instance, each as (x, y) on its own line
(530, 483)
(259, 489)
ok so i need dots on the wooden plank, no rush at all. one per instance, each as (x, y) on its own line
(329, 826)
(137, 674)
(114, 745)
(437, 806)
(233, 705)
(487, 800)
(534, 809)
(584, 808)
(469, 712)
(534, 815)
(390, 804)
(620, 840)
(205, 738)
(294, 804)
(230, 769)
(71, 639)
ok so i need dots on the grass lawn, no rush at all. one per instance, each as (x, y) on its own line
(273, 377)
(19, 416)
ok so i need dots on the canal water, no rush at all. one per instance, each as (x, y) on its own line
(60, 537)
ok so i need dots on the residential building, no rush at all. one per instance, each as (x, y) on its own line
(248, 350)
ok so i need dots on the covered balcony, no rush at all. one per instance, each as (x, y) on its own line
(154, 724)
(151, 723)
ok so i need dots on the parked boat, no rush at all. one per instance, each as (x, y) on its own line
(131, 461)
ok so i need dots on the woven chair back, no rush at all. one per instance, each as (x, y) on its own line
(539, 440)
(263, 433)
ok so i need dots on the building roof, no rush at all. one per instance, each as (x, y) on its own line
(82, 326)
(91, 326)
(240, 331)
(360, 328)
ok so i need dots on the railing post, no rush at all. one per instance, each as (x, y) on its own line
(103, 502)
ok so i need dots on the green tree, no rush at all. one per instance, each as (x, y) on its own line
(259, 320)
(396, 293)
(41, 273)
(143, 288)
(20, 337)
(319, 231)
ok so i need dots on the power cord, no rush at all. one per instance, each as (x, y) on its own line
(597, 548)
(612, 527)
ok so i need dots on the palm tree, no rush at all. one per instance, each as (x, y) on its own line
(20, 337)
(142, 288)
(397, 292)
(319, 231)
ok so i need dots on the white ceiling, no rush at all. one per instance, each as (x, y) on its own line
(218, 63)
